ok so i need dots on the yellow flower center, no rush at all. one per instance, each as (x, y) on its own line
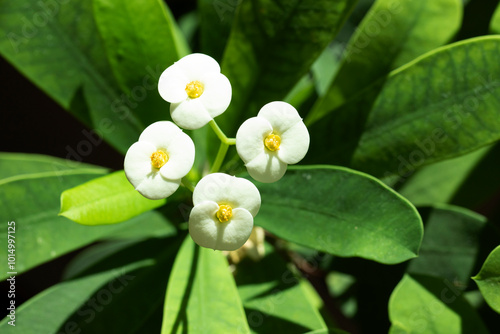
(194, 89)
(224, 213)
(272, 142)
(158, 159)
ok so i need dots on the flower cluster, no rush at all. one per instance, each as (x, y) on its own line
(224, 205)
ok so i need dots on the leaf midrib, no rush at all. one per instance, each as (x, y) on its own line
(30, 176)
(102, 199)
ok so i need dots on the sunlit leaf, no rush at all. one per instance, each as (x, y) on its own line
(199, 289)
(421, 304)
(495, 21)
(439, 182)
(137, 59)
(488, 280)
(342, 212)
(391, 34)
(442, 105)
(274, 299)
(109, 199)
(31, 200)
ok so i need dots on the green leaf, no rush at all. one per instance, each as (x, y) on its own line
(439, 182)
(32, 201)
(392, 33)
(495, 22)
(201, 295)
(442, 105)
(106, 200)
(468, 180)
(342, 212)
(452, 242)
(141, 40)
(216, 18)
(326, 67)
(83, 262)
(99, 301)
(488, 280)
(56, 45)
(15, 166)
(274, 298)
(421, 304)
(273, 43)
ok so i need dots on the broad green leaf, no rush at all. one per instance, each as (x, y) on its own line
(442, 105)
(392, 33)
(302, 94)
(141, 40)
(421, 304)
(19, 165)
(482, 182)
(468, 180)
(342, 212)
(272, 45)
(495, 22)
(452, 241)
(439, 182)
(56, 45)
(326, 66)
(274, 298)
(488, 280)
(201, 295)
(89, 257)
(216, 19)
(32, 201)
(99, 301)
(106, 200)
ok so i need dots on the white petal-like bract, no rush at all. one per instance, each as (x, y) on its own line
(210, 92)
(221, 190)
(207, 231)
(226, 189)
(250, 137)
(281, 115)
(272, 140)
(266, 167)
(294, 144)
(177, 148)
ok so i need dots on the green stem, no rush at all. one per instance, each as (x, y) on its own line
(219, 159)
(224, 145)
(220, 134)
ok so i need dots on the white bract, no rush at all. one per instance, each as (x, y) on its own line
(156, 163)
(272, 140)
(196, 89)
(224, 208)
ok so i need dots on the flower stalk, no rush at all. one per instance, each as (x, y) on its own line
(224, 146)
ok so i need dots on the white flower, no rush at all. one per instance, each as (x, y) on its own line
(272, 140)
(156, 163)
(224, 208)
(196, 89)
